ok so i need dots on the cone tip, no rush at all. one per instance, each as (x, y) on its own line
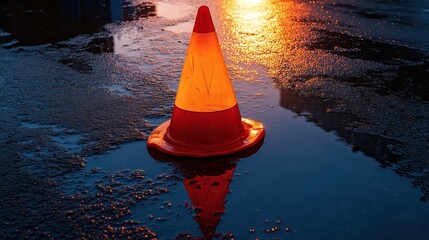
(203, 22)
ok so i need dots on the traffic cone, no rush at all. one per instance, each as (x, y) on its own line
(206, 120)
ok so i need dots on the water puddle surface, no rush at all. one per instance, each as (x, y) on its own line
(184, 27)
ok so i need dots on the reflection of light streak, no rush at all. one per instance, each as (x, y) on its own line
(265, 32)
(249, 2)
(253, 26)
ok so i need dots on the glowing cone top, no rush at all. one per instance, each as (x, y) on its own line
(205, 85)
(206, 120)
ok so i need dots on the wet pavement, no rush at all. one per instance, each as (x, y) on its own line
(341, 86)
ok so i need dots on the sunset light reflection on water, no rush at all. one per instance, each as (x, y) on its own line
(255, 33)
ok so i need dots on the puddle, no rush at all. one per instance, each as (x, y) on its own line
(131, 168)
(294, 183)
(298, 183)
(126, 42)
(185, 27)
(100, 45)
(129, 156)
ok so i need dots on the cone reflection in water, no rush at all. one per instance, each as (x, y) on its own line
(206, 120)
(208, 194)
(207, 183)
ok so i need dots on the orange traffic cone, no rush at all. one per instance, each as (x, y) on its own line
(206, 120)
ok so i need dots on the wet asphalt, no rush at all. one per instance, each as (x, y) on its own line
(342, 88)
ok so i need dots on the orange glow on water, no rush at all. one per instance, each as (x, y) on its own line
(250, 2)
(265, 32)
(251, 28)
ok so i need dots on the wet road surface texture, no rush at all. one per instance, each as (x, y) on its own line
(341, 86)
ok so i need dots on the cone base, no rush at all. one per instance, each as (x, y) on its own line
(254, 130)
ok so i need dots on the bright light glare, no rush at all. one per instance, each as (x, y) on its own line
(249, 2)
